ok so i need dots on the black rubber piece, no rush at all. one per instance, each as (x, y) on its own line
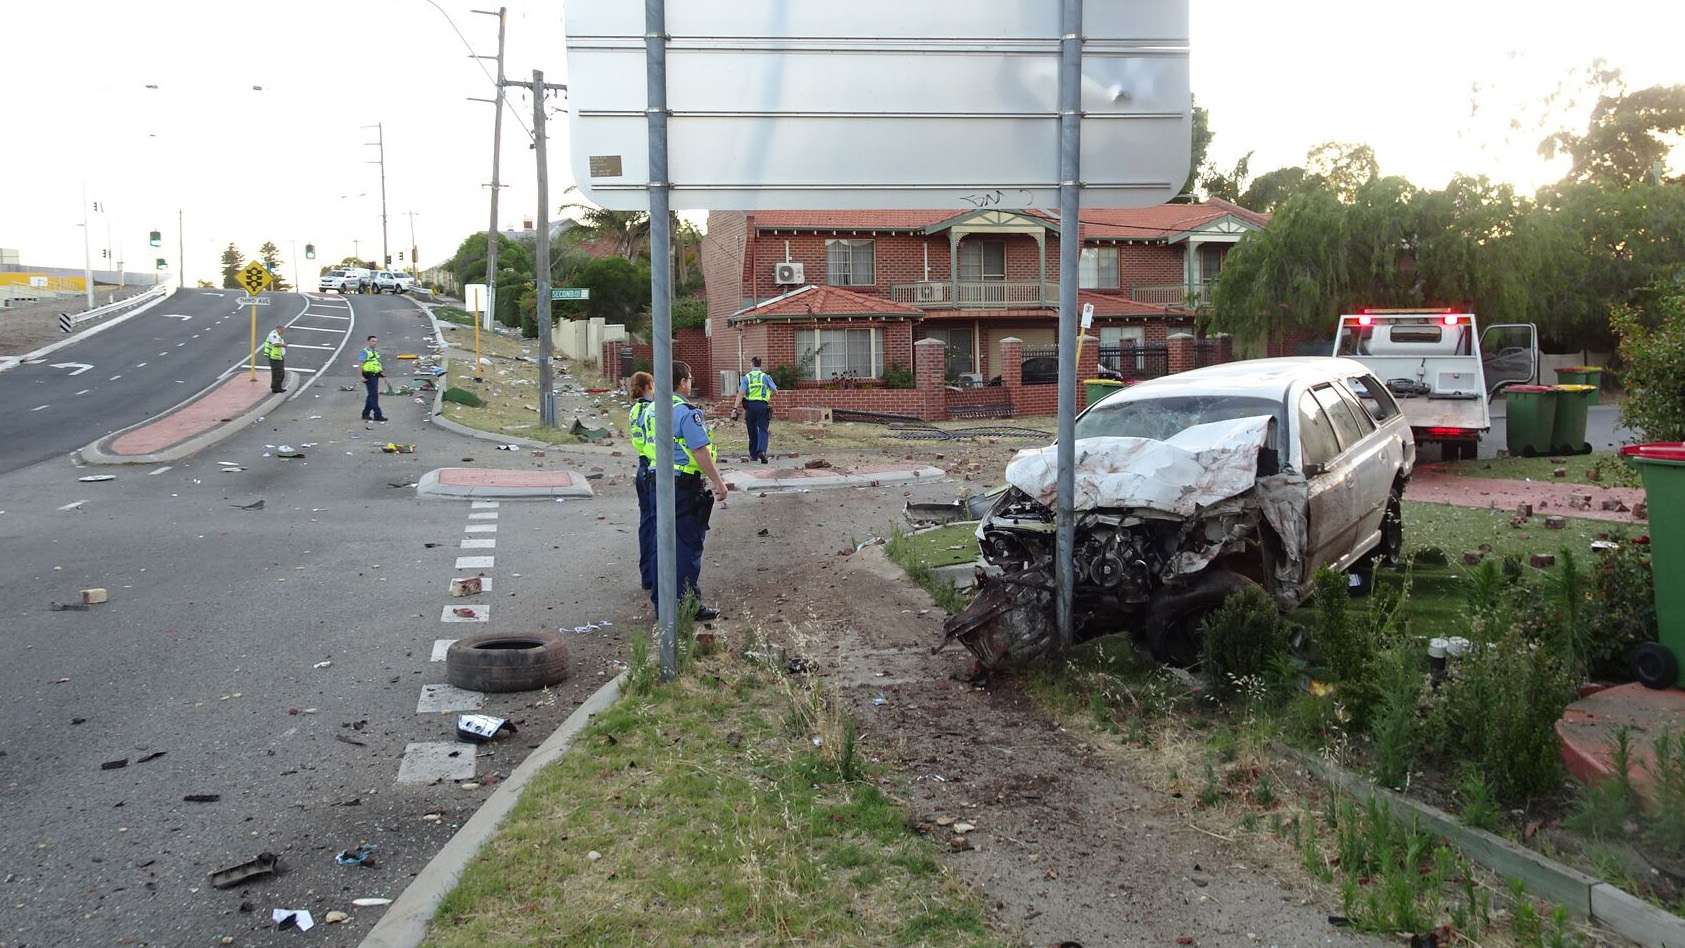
(500, 662)
(1655, 666)
(1173, 634)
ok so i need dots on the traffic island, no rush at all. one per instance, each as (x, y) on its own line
(494, 483)
(209, 417)
(766, 479)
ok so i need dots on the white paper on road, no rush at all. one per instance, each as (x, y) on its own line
(300, 916)
(1198, 467)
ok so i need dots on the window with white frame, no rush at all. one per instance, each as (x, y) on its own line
(982, 260)
(826, 354)
(850, 263)
(1097, 268)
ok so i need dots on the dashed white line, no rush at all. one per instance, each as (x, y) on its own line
(480, 528)
(437, 698)
(440, 647)
(300, 345)
(314, 329)
(84, 391)
(483, 505)
(478, 544)
(114, 378)
(483, 515)
(475, 562)
(159, 471)
(38, 407)
(468, 614)
(73, 505)
(140, 365)
(325, 316)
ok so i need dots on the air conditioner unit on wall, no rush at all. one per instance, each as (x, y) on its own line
(787, 274)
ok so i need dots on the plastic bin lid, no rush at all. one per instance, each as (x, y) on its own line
(1529, 389)
(1112, 382)
(1656, 451)
(1580, 368)
(1573, 388)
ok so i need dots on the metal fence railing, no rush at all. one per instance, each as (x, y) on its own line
(1148, 361)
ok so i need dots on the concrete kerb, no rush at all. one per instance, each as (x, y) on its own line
(745, 481)
(95, 454)
(431, 484)
(1585, 896)
(405, 923)
(11, 362)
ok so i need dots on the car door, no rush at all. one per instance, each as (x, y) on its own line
(1328, 528)
(1370, 455)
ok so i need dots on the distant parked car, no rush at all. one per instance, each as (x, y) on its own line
(388, 281)
(331, 280)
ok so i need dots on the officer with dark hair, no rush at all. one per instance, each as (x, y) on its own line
(692, 457)
(754, 396)
(638, 428)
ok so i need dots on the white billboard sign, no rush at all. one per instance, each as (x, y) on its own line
(879, 103)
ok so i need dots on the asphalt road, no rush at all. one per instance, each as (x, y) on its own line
(211, 650)
(155, 360)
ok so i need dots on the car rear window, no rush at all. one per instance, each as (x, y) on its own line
(1164, 418)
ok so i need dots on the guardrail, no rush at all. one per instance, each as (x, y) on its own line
(67, 322)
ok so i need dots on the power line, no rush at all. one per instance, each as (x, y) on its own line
(477, 61)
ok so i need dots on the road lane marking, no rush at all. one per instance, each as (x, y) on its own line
(140, 365)
(483, 505)
(312, 328)
(480, 528)
(475, 562)
(84, 391)
(73, 505)
(474, 614)
(483, 515)
(471, 543)
(300, 345)
(114, 378)
(433, 761)
(80, 367)
(439, 698)
(38, 407)
(323, 316)
(159, 470)
(440, 647)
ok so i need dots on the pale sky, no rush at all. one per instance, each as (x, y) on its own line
(287, 163)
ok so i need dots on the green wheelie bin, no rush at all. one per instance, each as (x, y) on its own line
(1568, 434)
(1530, 419)
(1096, 389)
(1580, 375)
(1656, 664)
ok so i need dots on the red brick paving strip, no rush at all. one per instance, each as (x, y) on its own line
(1547, 497)
(473, 477)
(231, 399)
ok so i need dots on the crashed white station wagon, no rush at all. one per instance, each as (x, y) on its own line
(1188, 488)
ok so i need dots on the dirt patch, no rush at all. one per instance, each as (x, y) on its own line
(1068, 844)
(1554, 498)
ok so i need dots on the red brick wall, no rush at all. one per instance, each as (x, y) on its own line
(689, 345)
(1181, 352)
(722, 272)
(1148, 264)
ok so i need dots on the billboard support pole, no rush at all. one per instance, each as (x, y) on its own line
(1070, 245)
(661, 331)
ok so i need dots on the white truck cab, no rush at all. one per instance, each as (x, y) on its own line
(1442, 369)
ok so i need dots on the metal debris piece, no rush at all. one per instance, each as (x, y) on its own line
(362, 855)
(265, 864)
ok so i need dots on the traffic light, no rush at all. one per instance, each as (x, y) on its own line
(160, 264)
(400, 256)
(388, 259)
(155, 239)
(309, 251)
(105, 254)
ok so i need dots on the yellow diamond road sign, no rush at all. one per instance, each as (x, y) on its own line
(254, 278)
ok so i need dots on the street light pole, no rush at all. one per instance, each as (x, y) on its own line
(661, 331)
(181, 261)
(496, 162)
(87, 249)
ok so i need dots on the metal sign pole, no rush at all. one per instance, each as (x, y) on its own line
(661, 331)
(1070, 245)
(546, 400)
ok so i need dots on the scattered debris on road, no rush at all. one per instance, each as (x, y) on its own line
(343, 739)
(325, 663)
(362, 855)
(67, 607)
(95, 596)
(392, 447)
(115, 764)
(265, 864)
(466, 586)
(97, 478)
(480, 728)
(292, 918)
(149, 758)
(201, 798)
(370, 903)
(335, 917)
(254, 505)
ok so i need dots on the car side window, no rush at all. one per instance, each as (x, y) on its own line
(1365, 422)
(1345, 425)
(1373, 396)
(1317, 443)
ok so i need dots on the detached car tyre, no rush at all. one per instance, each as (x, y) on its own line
(501, 662)
(1655, 666)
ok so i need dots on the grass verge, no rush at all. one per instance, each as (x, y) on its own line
(728, 806)
(733, 437)
(920, 554)
(1610, 470)
(508, 388)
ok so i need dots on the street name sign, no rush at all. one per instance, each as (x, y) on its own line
(559, 293)
(879, 103)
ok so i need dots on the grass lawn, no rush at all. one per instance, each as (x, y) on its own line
(509, 389)
(1438, 592)
(452, 314)
(1612, 471)
(733, 437)
(714, 819)
(942, 546)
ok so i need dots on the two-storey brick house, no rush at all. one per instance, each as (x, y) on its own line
(847, 293)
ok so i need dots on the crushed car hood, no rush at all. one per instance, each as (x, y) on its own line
(1198, 467)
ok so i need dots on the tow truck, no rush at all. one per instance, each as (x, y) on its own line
(1441, 368)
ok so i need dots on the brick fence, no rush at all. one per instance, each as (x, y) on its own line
(930, 398)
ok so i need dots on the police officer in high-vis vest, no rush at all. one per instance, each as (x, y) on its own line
(369, 363)
(638, 425)
(692, 457)
(754, 396)
(275, 350)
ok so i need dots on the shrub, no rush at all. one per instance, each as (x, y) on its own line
(1242, 639)
(690, 312)
(1652, 347)
(462, 396)
(897, 376)
(1621, 614)
(1348, 639)
(1497, 710)
(1474, 800)
(1399, 679)
(784, 376)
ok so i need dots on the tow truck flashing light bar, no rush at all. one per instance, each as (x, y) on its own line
(1447, 316)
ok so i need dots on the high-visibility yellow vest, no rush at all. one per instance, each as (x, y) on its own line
(689, 466)
(759, 390)
(371, 361)
(637, 421)
(274, 350)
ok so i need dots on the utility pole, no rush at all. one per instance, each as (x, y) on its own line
(496, 152)
(415, 268)
(380, 142)
(661, 330)
(87, 249)
(181, 258)
(1070, 201)
(546, 401)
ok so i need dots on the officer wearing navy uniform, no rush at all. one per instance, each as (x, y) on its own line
(368, 362)
(754, 396)
(275, 350)
(692, 457)
(638, 427)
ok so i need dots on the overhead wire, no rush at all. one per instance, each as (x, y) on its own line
(513, 112)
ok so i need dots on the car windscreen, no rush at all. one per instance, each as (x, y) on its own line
(1165, 417)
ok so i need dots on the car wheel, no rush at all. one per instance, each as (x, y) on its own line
(1655, 666)
(498, 662)
(1392, 528)
(1173, 633)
